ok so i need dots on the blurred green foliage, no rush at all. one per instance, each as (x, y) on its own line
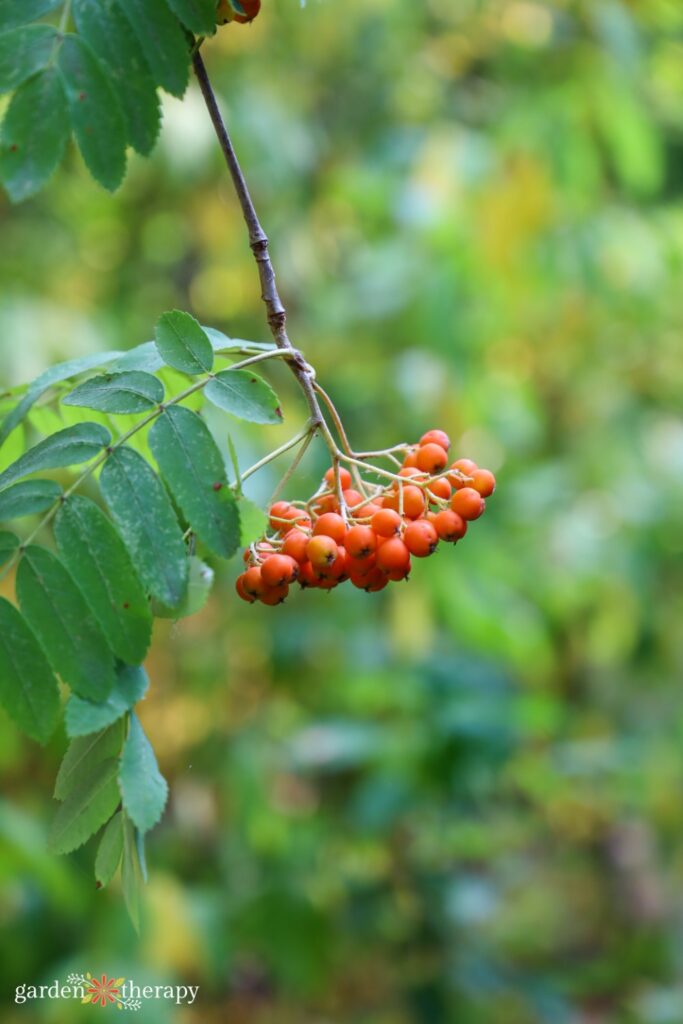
(459, 800)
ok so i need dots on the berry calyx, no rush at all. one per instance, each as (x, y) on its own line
(449, 525)
(321, 551)
(386, 522)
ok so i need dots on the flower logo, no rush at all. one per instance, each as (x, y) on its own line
(104, 991)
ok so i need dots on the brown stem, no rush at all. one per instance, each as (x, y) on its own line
(258, 241)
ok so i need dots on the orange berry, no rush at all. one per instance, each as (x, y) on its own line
(321, 551)
(295, 544)
(326, 503)
(431, 458)
(399, 574)
(279, 569)
(359, 566)
(413, 501)
(252, 582)
(344, 478)
(360, 541)
(393, 555)
(280, 510)
(439, 437)
(468, 503)
(308, 576)
(466, 467)
(411, 458)
(336, 570)
(386, 522)
(374, 581)
(449, 525)
(352, 497)
(330, 524)
(420, 538)
(439, 488)
(484, 481)
(239, 587)
(411, 471)
(390, 501)
(274, 595)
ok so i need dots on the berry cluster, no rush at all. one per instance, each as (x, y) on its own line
(367, 535)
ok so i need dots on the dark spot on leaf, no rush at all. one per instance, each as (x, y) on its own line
(217, 486)
(125, 604)
(278, 412)
(82, 96)
(98, 885)
(13, 148)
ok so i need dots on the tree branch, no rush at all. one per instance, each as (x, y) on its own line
(258, 241)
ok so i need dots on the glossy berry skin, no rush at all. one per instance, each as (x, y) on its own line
(386, 522)
(321, 551)
(466, 467)
(449, 525)
(439, 437)
(359, 566)
(431, 458)
(327, 503)
(279, 569)
(360, 541)
(308, 576)
(295, 544)
(274, 595)
(468, 503)
(352, 497)
(330, 524)
(399, 574)
(393, 555)
(484, 481)
(413, 501)
(439, 489)
(411, 458)
(374, 581)
(344, 478)
(239, 587)
(420, 538)
(408, 471)
(252, 582)
(336, 570)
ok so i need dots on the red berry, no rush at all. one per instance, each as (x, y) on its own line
(399, 574)
(360, 541)
(411, 471)
(411, 458)
(413, 501)
(344, 478)
(468, 503)
(439, 437)
(449, 525)
(252, 582)
(279, 569)
(386, 522)
(336, 570)
(326, 503)
(239, 587)
(484, 481)
(330, 524)
(431, 458)
(466, 467)
(274, 595)
(295, 544)
(359, 566)
(279, 511)
(308, 576)
(420, 538)
(321, 551)
(393, 555)
(374, 581)
(439, 488)
(352, 497)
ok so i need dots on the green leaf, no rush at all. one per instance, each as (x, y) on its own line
(222, 343)
(83, 753)
(104, 27)
(8, 545)
(20, 12)
(118, 392)
(98, 560)
(163, 42)
(143, 787)
(198, 589)
(68, 447)
(193, 468)
(131, 873)
(57, 613)
(253, 521)
(34, 133)
(142, 856)
(28, 688)
(89, 804)
(110, 850)
(27, 498)
(23, 52)
(54, 375)
(182, 343)
(197, 15)
(142, 357)
(244, 395)
(144, 515)
(96, 115)
(85, 716)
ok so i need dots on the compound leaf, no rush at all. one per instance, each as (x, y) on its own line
(143, 787)
(83, 753)
(182, 343)
(110, 850)
(34, 133)
(67, 447)
(162, 40)
(28, 497)
(86, 716)
(28, 688)
(89, 804)
(127, 392)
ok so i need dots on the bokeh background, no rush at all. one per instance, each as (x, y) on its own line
(461, 799)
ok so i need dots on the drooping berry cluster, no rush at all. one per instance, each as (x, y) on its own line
(367, 535)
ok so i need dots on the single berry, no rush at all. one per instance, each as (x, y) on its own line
(336, 570)
(412, 471)
(279, 569)
(468, 503)
(330, 524)
(374, 581)
(252, 583)
(308, 576)
(344, 478)
(326, 503)
(393, 555)
(274, 595)
(239, 587)
(359, 566)
(466, 468)
(484, 481)
(321, 551)
(386, 522)
(351, 497)
(421, 538)
(431, 458)
(295, 544)
(439, 437)
(439, 488)
(360, 541)
(449, 525)
(411, 458)
(279, 511)
(399, 574)
(413, 501)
